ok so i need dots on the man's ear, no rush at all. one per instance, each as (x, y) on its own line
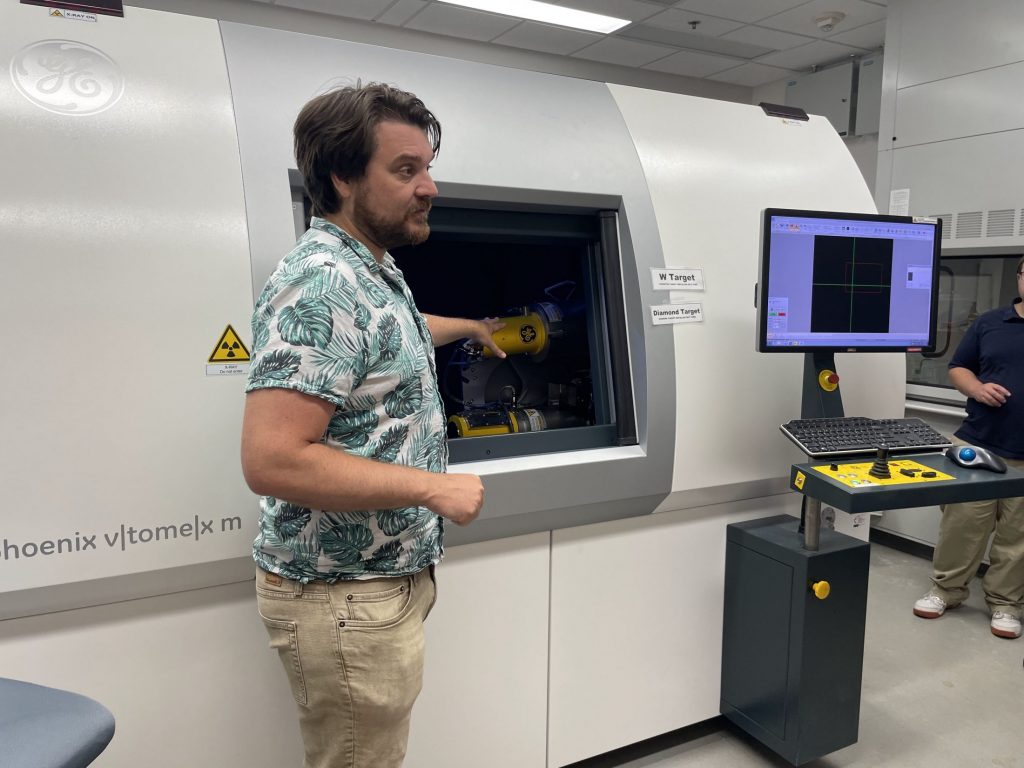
(341, 187)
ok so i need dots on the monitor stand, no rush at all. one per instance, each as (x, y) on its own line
(821, 399)
(821, 396)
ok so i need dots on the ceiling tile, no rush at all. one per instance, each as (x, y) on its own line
(615, 50)
(401, 12)
(693, 42)
(692, 64)
(352, 9)
(767, 38)
(451, 20)
(547, 38)
(801, 20)
(678, 20)
(818, 53)
(751, 75)
(740, 10)
(870, 36)
(620, 9)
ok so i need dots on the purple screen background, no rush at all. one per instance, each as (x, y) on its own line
(791, 269)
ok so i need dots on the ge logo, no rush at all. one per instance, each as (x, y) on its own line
(527, 333)
(67, 77)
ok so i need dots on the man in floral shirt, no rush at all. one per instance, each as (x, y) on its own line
(344, 431)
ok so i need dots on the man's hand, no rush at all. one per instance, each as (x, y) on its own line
(457, 497)
(483, 334)
(990, 393)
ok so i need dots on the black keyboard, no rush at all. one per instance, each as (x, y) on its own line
(849, 435)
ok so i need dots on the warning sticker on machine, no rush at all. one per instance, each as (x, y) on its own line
(230, 357)
(74, 15)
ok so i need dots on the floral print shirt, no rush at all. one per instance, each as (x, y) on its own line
(333, 323)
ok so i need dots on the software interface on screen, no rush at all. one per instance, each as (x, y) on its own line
(849, 283)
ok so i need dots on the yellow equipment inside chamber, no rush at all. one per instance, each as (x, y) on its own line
(496, 422)
(525, 334)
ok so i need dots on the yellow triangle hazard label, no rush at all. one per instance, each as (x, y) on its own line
(55, 12)
(229, 349)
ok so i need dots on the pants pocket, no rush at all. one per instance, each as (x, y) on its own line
(380, 608)
(284, 638)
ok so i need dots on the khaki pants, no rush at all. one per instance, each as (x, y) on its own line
(963, 534)
(353, 653)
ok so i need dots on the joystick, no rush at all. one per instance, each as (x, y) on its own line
(880, 468)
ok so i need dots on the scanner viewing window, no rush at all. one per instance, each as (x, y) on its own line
(843, 282)
(542, 274)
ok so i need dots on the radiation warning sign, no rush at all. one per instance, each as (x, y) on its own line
(229, 357)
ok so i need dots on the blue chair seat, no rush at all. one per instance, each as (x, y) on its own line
(48, 728)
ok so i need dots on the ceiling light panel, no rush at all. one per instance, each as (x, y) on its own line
(547, 13)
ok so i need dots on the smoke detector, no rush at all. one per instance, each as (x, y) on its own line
(827, 21)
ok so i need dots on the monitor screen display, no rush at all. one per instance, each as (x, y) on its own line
(846, 282)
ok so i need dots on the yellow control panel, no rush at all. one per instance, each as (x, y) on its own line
(902, 472)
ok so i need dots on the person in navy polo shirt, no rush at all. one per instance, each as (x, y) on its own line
(988, 368)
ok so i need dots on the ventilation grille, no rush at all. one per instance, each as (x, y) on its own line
(1000, 223)
(968, 225)
(947, 224)
(975, 225)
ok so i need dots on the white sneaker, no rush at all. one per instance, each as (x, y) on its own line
(1005, 625)
(931, 606)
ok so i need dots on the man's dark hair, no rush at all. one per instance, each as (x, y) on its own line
(335, 133)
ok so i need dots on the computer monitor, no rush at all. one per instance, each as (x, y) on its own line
(847, 282)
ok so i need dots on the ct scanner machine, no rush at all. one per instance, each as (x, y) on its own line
(149, 189)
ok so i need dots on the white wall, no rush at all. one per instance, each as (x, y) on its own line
(952, 118)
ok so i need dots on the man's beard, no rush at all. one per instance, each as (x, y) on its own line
(392, 233)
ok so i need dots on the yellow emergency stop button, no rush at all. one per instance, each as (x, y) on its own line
(821, 589)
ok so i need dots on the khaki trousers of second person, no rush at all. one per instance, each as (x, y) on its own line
(353, 652)
(963, 534)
